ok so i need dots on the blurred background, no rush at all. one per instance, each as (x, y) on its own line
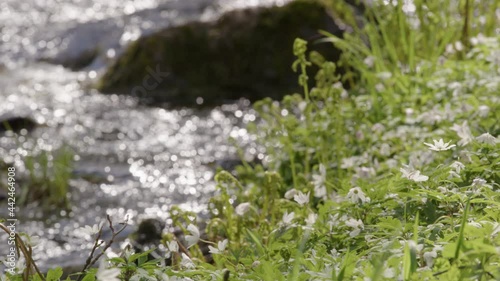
(80, 154)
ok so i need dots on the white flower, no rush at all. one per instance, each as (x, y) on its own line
(333, 221)
(291, 193)
(453, 174)
(442, 189)
(176, 278)
(458, 166)
(496, 229)
(107, 274)
(311, 219)
(335, 254)
(389, 272)
(194, 237)
(369, 61)
(384, 75)
(287, 218)
(127, 251)
(365, 172)
(378, 128)
(379, 87)
(255, 264)
(478, 182)
(431, 117)
(141, 274)
(186, 262)
(484, 110)
(463, 132)
(356, 225)
(348, 163)
(414, 246)
(355, 194)
(172, 247)
(221, 246)
(417, 177)
(302, 106)
(459, 46)
(391, 196)
(91, 230)
(474, 224)
(319, 182)
(413, 175)
(320, 191)
(450, 49)
(429, 258)
(301, 198)
(385, 149)
(242, 209)
(161, 275)
(487, 138)
(465, 156)
(439, 145)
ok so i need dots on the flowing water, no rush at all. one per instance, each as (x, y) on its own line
(131, 160)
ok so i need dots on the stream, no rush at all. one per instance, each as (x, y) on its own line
(130, 160)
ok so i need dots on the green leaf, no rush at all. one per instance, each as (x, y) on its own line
(117, 260)
(142, 259)
(54, 274)
(460, 240)
(140, 255)
(89, 277)
(254, 237)
(389, 223)
(340, 277)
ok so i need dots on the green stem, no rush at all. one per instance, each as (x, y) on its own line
(305, 86)
(292, 164)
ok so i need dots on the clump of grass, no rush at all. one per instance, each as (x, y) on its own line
(48, 175)
(43, 177)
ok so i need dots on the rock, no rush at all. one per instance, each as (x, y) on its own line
(149, 235)
(230, 164)
(76, 61)
(149, 231)
(16, 123)
(3, 195)
(246, 53)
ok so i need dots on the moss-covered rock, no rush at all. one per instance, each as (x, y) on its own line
(76, 61)
(149, 231)
(16, 123)
(246, 53)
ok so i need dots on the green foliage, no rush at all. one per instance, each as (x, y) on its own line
(355, 184)
(43, 178)
(48, 174)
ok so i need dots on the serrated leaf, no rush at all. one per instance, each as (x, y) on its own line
(54, 274)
